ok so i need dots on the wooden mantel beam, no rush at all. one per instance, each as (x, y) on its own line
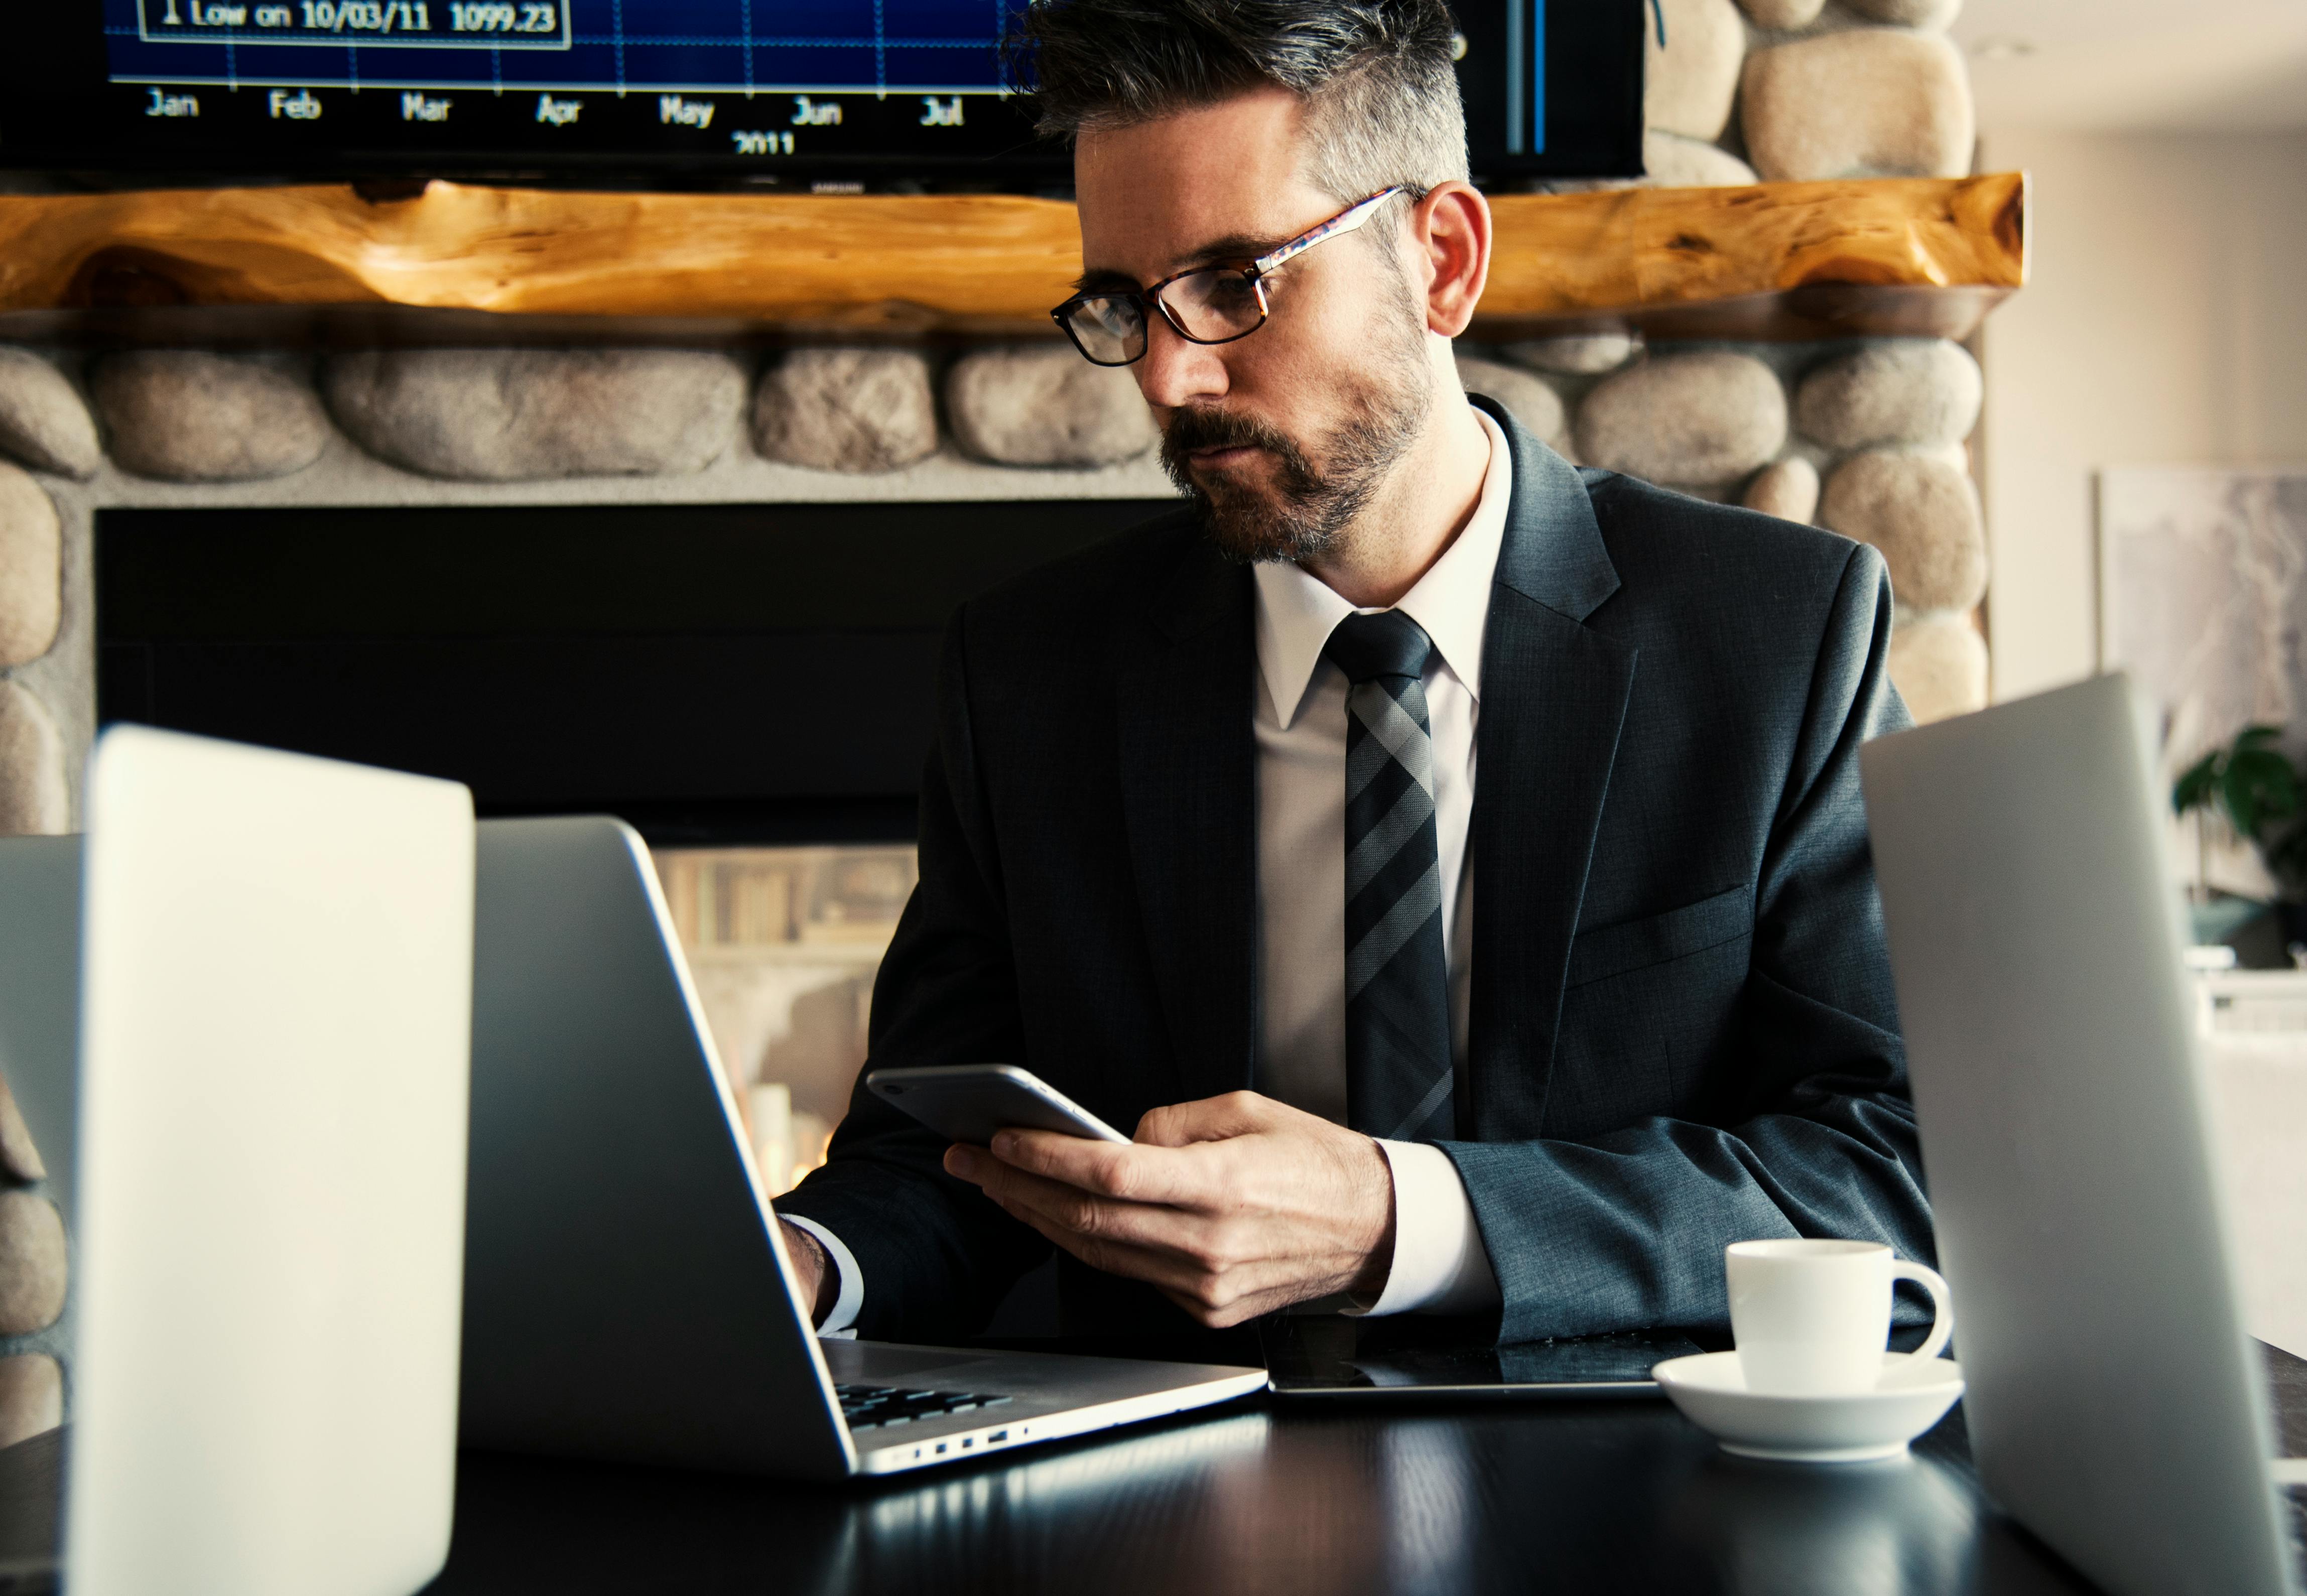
(1776, 260)
(1874, 256)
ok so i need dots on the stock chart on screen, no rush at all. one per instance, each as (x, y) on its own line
(739, 78)
(846, 46)
(745, 90)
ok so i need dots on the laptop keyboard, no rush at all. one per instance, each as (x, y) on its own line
(879, 1407)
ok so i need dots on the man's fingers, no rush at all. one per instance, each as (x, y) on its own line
(1206, 1120)
(1134, 1174)
(1216, 1259)
(1233, 1206)
(1223, 1315)
(1071, 1207)
(1110, 1258)
(1086, 1214)
(1215, 1299)
(1209, 1265)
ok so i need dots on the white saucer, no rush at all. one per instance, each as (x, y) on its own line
(1915, 1393)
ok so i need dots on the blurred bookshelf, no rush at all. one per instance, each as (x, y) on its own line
(783, 944)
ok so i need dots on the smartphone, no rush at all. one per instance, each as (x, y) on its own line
(968, 1103)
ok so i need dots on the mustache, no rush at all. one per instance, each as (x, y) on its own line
(1208, 427)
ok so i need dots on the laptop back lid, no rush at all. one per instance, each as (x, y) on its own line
(626, 1294)
(275, 1018)
(2115, 1404)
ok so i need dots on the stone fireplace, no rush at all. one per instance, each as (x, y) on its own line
(1866, 436)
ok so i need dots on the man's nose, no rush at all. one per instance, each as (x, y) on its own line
(1175, 370)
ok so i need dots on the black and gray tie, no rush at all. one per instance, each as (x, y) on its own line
(1397, 987)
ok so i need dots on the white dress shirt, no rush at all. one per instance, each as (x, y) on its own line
(1439, 1265)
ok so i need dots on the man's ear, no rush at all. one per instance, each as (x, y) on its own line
(1451, 228)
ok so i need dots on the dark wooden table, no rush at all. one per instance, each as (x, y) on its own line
(1255, 1498)
(1252, 1498)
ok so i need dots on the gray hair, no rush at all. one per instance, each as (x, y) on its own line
(1375, 76)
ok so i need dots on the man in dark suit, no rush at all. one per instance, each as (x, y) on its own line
(1450, 860)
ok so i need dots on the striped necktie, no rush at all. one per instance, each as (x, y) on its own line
(1397, 989)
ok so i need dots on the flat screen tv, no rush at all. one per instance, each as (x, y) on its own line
(669, 92)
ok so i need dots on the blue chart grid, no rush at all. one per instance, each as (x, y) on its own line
(906, 46)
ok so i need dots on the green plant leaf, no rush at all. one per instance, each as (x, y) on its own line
(2196, 784)
(2258, 787)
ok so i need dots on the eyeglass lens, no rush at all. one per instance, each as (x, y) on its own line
(1110, 330)
(1209, 306)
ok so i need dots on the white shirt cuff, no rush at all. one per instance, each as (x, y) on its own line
(841, 1324)
(1439, 1263)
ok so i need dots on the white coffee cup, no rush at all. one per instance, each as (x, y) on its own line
(1812, 1318)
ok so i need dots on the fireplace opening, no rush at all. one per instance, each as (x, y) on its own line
(750, 686)
(713, 674)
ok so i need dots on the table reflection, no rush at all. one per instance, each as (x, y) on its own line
(1881, 1529)
(1505, 1498)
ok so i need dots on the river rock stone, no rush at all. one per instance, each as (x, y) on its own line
(31, 569)
(1868, 102)
(1673, 161)
(1586, 355)
(190, 416)
(1956, 454)
(1690, 79)
(1928, 14)
(846, 409)
(42, 421)
(1699, 419)
(1532, 403)
(1783, 15)
(1043, 404)
(1923, 514)
(31, 1397)
(1788, 490)
(1902, 390)
(32, 794)
(32, 1263)
(20, 1156)
(1938, 664)
(526, 415)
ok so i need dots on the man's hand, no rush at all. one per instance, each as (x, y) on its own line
(820, 1282)
(1234, 1205)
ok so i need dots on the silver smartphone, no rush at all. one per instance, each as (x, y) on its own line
(968, 1103)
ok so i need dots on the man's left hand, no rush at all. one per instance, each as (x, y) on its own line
(1233, 1206)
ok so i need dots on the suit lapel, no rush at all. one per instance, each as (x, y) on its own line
(1189, 784)
(1553, 700)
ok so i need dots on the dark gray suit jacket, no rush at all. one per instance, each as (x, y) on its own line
(1682, 1031)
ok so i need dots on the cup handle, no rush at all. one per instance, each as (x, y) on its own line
(1941, 1305)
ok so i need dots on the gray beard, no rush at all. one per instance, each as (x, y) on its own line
(1319, 495)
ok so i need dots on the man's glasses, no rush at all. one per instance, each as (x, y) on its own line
(1210, 304)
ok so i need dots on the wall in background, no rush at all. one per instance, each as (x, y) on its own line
(2165, 322)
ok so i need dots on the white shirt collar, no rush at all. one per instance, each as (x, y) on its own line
(1297, 611)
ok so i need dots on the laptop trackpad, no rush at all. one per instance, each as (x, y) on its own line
(864, 1363)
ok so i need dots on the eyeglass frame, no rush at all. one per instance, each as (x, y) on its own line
(1255, 271)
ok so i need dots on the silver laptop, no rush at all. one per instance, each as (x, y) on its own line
(2115, 1406)
(251, 990)
(627, 1294)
